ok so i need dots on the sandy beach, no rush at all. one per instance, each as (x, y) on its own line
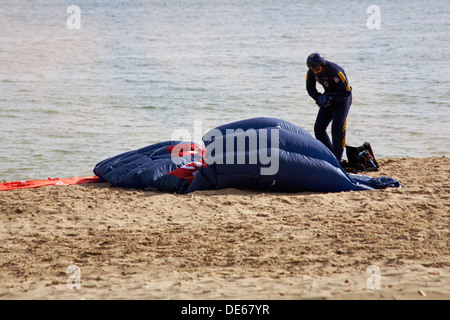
(231, 244)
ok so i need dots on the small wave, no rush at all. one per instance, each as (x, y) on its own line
(149, 107)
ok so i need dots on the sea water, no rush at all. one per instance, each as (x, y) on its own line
(82, 80)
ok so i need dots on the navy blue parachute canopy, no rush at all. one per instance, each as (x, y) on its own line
(261, 153)
(274, 155)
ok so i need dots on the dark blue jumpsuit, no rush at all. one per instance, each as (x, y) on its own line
(335, 84)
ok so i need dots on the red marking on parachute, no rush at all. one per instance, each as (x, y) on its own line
(188, 171)
(186, 149)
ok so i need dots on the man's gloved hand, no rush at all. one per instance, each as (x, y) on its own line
(323, 101)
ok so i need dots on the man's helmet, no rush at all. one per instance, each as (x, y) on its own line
(315, 60)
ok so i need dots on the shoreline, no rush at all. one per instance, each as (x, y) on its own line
(231, 244)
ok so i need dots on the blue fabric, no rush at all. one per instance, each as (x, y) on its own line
(376, 182)
(305, 164)
(143, 168)
(240, 150)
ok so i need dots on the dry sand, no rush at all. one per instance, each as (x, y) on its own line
(231, 244)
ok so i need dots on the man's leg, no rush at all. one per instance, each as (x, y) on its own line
(339, 126)
(324, 117)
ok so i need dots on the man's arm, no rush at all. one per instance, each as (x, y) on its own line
(311, 85)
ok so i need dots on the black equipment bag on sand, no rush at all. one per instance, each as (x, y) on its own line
(360, 159)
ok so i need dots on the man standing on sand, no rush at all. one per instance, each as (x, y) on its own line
(334, 103)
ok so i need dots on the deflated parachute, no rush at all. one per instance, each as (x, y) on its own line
(167, 166)
(260, 153)
(273, 155)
